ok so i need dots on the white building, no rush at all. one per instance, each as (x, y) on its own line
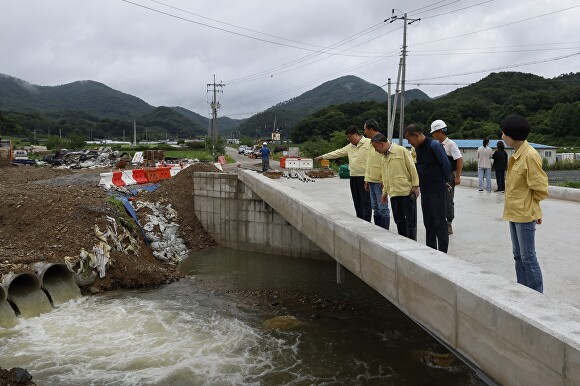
(469, 147)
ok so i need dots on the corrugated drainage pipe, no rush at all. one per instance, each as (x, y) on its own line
(57, 281)
(25, 295)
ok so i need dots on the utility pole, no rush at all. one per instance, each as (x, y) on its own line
(215, 105)
(389, 133)
(404, 65)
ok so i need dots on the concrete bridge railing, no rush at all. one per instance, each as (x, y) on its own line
(514, 335)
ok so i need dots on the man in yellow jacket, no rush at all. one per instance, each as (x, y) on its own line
(526, 186)
(357, 151)
(400, 182)
(373, 180)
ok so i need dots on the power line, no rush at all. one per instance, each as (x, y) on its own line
(500, 67)
(499, 26)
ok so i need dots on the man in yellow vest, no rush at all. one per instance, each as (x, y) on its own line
(373, 181)
(400, 182)
(357, 151)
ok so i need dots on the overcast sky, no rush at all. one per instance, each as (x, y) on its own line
(268, 51)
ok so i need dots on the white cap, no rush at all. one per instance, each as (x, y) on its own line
(265, 143)
(437, 125)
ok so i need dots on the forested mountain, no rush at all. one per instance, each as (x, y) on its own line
(551, 105)
(346, 89)
(87, 96)
(225, 125)
(95, 111)
(165, 120)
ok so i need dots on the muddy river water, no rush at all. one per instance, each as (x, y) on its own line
(202, 331)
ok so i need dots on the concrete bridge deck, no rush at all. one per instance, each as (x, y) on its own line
(481, 236)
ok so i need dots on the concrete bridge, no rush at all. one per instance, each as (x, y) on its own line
(510, 334)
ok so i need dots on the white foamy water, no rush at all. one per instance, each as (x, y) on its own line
(61, 291)
(7, 315)
(135, 340)
(192, 333)
(31, 303)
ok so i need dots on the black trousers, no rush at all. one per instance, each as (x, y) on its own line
(404, 210)
(433, 206)
(361, 198)
(500, 179)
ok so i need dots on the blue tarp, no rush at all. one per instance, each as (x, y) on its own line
(129, 208)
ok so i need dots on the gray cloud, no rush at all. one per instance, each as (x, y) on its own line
(168, 60)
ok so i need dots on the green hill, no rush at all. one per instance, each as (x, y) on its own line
(551, 105)
(87, 96)
(346, 89)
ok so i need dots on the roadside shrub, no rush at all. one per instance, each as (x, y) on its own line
(470, 165)
(569, 184)
(562, 165)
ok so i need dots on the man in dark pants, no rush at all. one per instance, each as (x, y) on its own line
(357, 151)
(433, 167)
(400, 182)
(439, 132)
(265, 152)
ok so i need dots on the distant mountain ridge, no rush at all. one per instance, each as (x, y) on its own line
(103, 102)
(87, 96)
(342, 90)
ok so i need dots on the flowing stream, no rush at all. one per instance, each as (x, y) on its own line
(238, 318)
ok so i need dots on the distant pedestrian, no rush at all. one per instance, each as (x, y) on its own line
(373, 180)
(265, 153)
(439, 132)
(400, 182)
(484, 165)
(433, 168)
(526, 186)
(500, 162)
(357, 151)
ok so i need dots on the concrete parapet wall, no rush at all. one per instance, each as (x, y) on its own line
(515, 335)
(557, 192)
(236, 217)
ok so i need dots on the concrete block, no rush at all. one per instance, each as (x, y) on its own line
(308, 227)
(379, 264)
(257, 233)
(504, 362)
(428, 296)
(347, 246)
(242, 232)
(527, 337)
(572, 365)
(325, 220)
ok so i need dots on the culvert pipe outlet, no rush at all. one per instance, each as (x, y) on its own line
(19, 284)
(57, 281)
(25, 295)
(51, 271)
(3, 293)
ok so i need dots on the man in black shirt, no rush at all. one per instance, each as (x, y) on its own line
(433, 167)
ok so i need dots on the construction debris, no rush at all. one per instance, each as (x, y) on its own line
(100, 257)
(161, 230)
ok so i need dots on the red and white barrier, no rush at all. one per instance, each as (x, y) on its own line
(127, 177)
(106, 180)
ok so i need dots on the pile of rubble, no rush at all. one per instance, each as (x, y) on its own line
(88, 158)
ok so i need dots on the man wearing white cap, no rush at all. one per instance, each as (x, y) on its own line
(265, 151)
(439, 132)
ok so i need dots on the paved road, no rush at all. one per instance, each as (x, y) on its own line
(481, 236)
